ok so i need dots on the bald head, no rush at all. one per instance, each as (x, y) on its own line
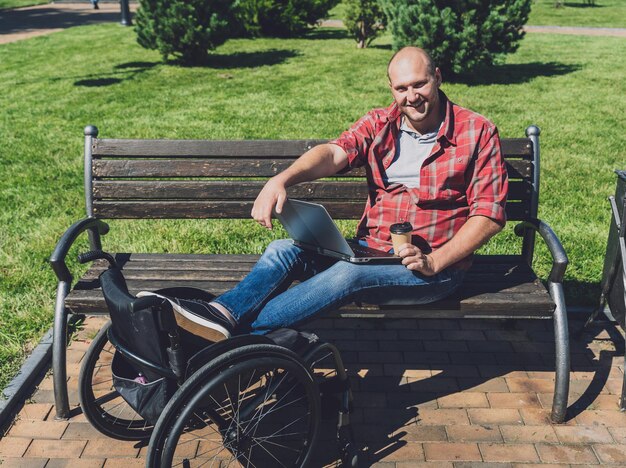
(411, 54)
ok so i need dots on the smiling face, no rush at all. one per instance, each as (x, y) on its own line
(414, 84)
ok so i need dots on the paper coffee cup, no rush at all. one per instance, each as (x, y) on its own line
(400, 234)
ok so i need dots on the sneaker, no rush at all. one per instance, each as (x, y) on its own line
(198, 317)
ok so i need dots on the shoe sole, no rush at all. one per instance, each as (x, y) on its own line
(192, 323)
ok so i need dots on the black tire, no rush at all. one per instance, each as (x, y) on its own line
(102, 405)
(256, 405)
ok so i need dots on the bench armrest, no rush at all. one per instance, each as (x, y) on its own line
(57, 259)
(559, 257)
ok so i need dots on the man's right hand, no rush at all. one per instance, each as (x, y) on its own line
(273, 195)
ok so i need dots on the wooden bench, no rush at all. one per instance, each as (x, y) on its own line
(147, 179)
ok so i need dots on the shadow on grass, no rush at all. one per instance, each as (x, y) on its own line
(514, 73)
(250, 59)
(122, 72)
(327, 33)
(582, 5)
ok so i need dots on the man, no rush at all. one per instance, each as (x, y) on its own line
(431, 162)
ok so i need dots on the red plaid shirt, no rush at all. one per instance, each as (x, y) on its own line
(463, 176)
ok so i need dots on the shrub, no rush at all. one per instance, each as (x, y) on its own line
(364, 20)
(281, 18)
(184, 29)
(460, 35)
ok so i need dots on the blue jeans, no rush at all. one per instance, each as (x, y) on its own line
(263, 301)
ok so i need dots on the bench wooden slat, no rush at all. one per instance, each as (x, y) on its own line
(210, 209)
(515, 147)
(246, 189)
(202, 148)
(113, 168)
(517, 299)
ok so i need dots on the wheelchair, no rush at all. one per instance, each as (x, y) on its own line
(250, 400)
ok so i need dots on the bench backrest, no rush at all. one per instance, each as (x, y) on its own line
(220, 179)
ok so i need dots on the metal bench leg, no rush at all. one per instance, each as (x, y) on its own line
(59, 346)
(622, 400)
(561, 338)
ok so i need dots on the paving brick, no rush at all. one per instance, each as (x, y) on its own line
(540, 465)
(410, 451)
(583, 402)
(508, 452)
(49, 448)
(82, 431)
(404, 371)
(513, 400)
(490, 346)
(400, 345)
(490, 416)
(611, 453)
(583, 434)
(539, 417)
(438, 324)
(453, 370)
(499, 370)
(380, 356)
(13, 446)
(443, 417)
(619, 434)
(39, 429)
(10, 462)
(530, 385)
(528, 434)
(413, 464)
(445, 346)
(421, 400)
(35, 411)
(371, 399)
(464, 400)
(432, 384)
(439, 451)
(602, 417)
(506, 335)
(476, 359)
(113, 449)
(125, 463)
(420, 335)
(481, 465)
(474, 433)
(425, 357)
(75, 463)
(574, 454)
(415, 433)
(465, 335)
(482, 385)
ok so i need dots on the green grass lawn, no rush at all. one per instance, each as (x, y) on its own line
(572, 87)
(604, 14)
(20, 3)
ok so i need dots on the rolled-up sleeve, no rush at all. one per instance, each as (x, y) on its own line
(356, 140)
(488, 188)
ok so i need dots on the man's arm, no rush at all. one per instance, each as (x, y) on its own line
(320, 161)
(472, 235)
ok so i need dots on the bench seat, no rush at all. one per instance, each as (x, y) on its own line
(500, 286)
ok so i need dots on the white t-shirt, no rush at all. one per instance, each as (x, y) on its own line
(412, 149)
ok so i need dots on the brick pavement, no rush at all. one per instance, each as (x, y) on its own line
(428, 393)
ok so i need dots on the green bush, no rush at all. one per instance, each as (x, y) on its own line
(364, 20)
(281, 18)
(183, 29)
(460, 35)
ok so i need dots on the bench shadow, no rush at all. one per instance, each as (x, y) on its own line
(515, 73)
(582, 5)
(391, 410)
(121, 72)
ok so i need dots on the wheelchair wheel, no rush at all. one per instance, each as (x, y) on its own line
(253, 406)
(102, 405)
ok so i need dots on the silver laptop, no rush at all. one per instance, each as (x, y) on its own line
(311, 227)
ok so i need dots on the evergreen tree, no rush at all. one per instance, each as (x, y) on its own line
(281, 18)
(183, 29)
(461, 35)
(364, 20)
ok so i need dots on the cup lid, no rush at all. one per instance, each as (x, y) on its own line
(401, 228)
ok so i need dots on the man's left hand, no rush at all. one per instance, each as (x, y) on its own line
(414, 259)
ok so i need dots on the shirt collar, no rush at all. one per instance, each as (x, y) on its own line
(446, 130)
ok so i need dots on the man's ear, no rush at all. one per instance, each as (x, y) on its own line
(438, 77)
